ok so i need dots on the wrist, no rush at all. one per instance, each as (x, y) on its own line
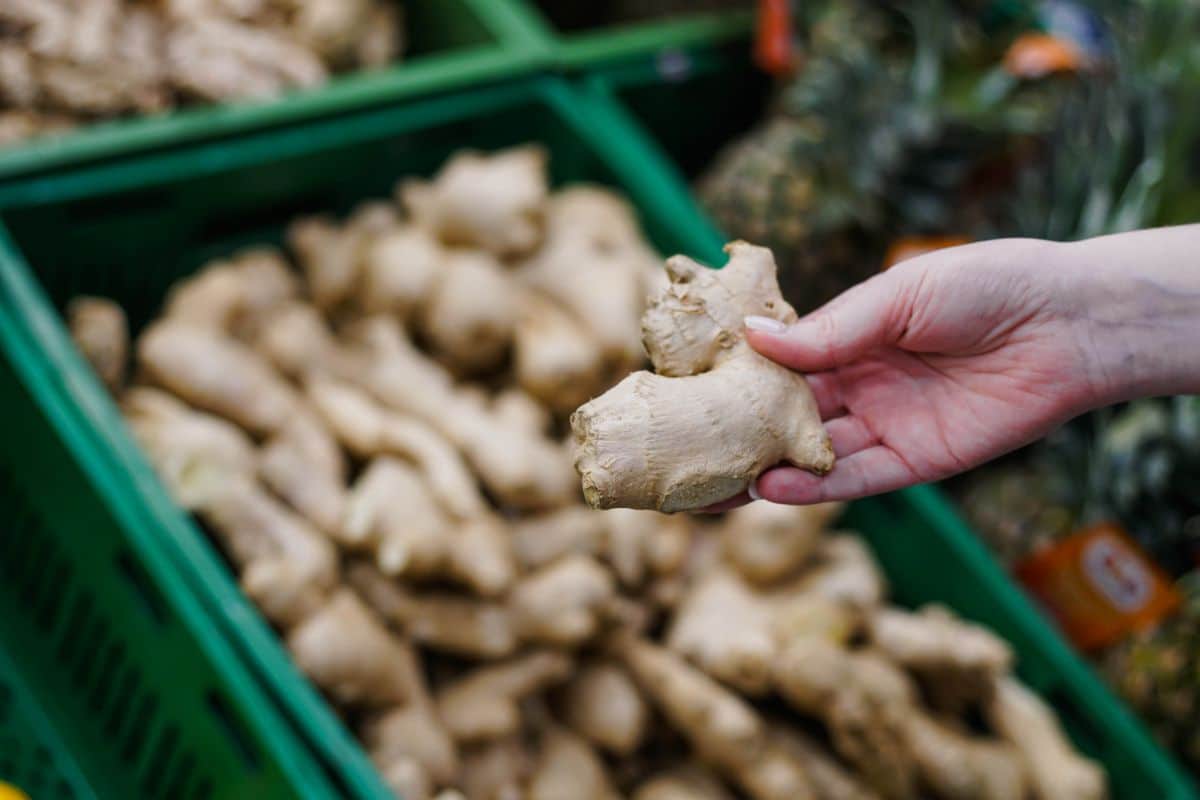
(1134, 304)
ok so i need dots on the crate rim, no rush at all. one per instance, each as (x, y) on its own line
(618, 42)
(515, 49)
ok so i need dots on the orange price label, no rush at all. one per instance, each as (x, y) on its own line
(1098, 585)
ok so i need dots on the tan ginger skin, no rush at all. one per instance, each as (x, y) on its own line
(716, 414)
(603, 704)
(101, 333)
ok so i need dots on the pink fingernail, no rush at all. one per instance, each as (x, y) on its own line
(764, 324)
(752, 490)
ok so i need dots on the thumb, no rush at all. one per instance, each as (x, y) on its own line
(857, 321)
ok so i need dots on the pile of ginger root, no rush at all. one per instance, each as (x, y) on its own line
(372, 426)
(67, 62)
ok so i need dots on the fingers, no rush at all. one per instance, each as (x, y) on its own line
(849, 435)
(827, 391)
(862, 318)
(871, 471)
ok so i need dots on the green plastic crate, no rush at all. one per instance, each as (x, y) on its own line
(927, 549)
(114, 682)
(667, 43)
(450, 44)
(129, 230)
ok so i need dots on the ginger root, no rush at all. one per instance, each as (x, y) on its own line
(288, 567)
(472, 312)
(486, 703)
(493, 202)
(568, 767)
(604, 705)
(349, 653)
(1055, 769)
(767, 542)
(192, 452)
(216, 373)
(668, 441)
(564, 602)
(101, 333)
(441, 621)
(688, 782)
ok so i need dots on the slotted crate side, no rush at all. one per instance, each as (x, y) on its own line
(118, 682)
(580, 39)
(449, 45)
(32, 756)
(138, 226)
(929, 553)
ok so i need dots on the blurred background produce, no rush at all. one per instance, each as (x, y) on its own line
(370, 427)
(67, 62)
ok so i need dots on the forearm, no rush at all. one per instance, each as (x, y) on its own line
(1135, 299)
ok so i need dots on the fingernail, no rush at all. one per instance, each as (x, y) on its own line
(752, 490)
(764, 324)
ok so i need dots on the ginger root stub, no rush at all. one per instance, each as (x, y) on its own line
(717, 413)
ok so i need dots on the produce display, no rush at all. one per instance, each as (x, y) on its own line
(373, 428)
(67, 62)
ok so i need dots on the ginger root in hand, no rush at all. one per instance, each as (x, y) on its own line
(668, 441)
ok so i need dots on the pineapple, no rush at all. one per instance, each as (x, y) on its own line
(1158, 674)
(868, 141)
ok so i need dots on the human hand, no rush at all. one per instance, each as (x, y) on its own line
(937, 365)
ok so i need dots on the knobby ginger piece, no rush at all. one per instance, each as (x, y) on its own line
(725, 628)
(451, 623)
(962, 767)
(303, 464)
(222, 59)
(496, 769)
(472, 312)
(390, 513)
(767, 541)
(368, 430)
(568, 767)
(555, 358)
(348, 652)
(863, 701)
(604, 705)
(400, 269)
(288, 567)
(192, 452)
(485, 704)
(642, 544)
(829, 778)
(521, 469)
(101, 333)
(723, 728)
(1055, 769)
(564, 602)
(216, 373)
(412, 730)
(406, 778)
(845, 571)
(494, 202)
(600, 289)
(687, 782)
(669, 441)
(539, 539)
(231, 295)
(332, 254)
(958, 661)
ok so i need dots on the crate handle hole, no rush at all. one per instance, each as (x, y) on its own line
(234, 730)
(143, 589)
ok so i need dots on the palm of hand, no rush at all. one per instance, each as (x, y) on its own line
(966, 366)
